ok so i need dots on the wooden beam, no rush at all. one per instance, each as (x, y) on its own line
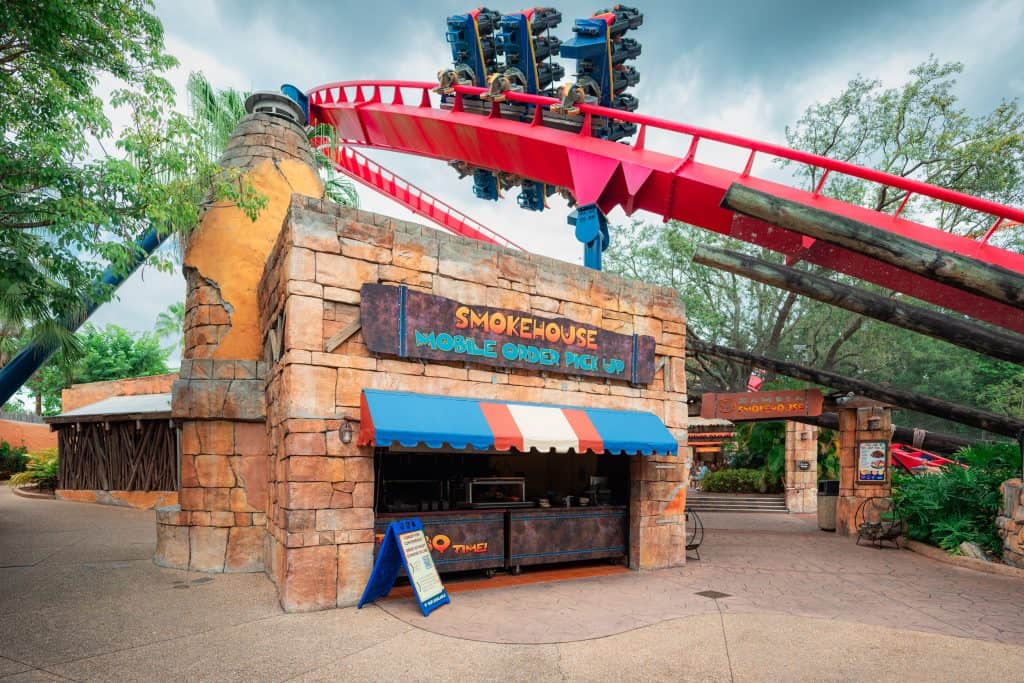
(991, 342)
(342, 335)
(938, 442)
(956, 270)
(982, 419)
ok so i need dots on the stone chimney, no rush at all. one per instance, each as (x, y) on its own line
(218, 401)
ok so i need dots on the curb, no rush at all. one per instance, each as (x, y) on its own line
(940, 555)
(24, 493)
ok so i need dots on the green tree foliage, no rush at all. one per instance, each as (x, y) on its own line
(13, 459)
(958, 504)
(41, 470)
(74, 192)
(106, 353)
(171, 323)
(917, 130)
(761, 446)
(217, 112)
(737, 480)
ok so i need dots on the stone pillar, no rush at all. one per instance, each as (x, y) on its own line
(862, 421)
(657, 515)
(1011, 522)
(220, 523)
(801, 484)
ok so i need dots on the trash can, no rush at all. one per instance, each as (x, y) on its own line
(828, 495)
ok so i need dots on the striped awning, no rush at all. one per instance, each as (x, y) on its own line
(390, 418)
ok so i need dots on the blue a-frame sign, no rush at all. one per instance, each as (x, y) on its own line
(405, 546)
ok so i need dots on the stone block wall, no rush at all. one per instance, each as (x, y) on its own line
(78, 395)
(1011, 522)
(220, 520)
(320, 514)
(801, 485)
(207, 318)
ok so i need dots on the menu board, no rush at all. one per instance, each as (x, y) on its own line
(872, 462)
(405, 546)
(420, 566)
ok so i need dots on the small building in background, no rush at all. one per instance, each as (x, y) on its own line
(118, 444)
(705, 437)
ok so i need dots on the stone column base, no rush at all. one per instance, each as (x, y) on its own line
(802, 500)
(210, 549)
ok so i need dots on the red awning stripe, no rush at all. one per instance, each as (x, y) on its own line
(499, 418)
(589, 438)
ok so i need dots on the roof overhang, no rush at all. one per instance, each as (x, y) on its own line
(427, 421)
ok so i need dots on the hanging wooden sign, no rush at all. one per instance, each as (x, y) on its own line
(762, 405)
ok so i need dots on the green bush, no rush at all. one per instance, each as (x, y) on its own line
(737, 481)
(41, 470)
(12, 460)
(956, 505)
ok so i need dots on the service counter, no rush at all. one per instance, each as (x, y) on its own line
(510, 538)
(460, 540)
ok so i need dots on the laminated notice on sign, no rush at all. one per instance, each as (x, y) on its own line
(405, 546)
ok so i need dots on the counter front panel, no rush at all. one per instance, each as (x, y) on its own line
(458, 541)
(542, 536)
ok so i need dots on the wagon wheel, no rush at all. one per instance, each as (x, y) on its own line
(694, 532)
(878, 520)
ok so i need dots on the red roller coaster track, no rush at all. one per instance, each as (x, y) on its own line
(422, 203)
(375, 114)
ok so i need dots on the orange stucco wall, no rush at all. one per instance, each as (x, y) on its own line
(231, 251)
(32, 436)
(78, 395)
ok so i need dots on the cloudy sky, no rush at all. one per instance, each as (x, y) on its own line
(748, 67)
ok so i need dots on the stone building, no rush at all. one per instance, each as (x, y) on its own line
(274, 385)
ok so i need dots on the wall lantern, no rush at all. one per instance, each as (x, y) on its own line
(803, 436)
(346, 432)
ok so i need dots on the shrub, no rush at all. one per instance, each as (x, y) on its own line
(12, 459)
(42, 470)
(956, 504)
(736, 481)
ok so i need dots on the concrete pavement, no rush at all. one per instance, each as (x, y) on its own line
(80, 599)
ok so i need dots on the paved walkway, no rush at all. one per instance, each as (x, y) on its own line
(80, 599)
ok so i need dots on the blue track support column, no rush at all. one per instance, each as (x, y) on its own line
(592, 231)
(18, 371)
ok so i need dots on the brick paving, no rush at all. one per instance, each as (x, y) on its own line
(771, 564)
(81, 599)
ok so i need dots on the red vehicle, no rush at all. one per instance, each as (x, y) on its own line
(915, 461)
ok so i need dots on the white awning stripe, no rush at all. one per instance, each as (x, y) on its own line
(544, 428)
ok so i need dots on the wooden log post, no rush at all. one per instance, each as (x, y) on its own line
(955, 330)
(982, 419)
(963, 272)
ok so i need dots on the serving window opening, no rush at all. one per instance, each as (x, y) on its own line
(491, 511)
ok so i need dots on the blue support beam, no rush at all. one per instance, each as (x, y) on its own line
(21, 368)
(592, 230)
